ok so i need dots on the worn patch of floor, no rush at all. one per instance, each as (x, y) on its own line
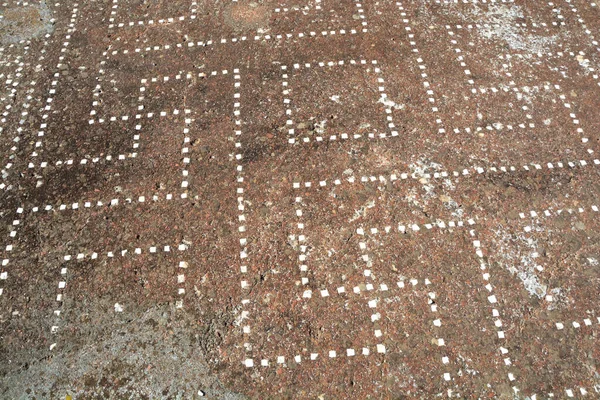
(299, 199)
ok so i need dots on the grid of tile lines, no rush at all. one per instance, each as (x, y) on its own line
(307, 294)
(240, 179)
(467, 72)
(259, 37)
(464, 173)
(492, 297)
(139, 117)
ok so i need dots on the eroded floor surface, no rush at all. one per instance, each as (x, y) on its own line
(303, 199)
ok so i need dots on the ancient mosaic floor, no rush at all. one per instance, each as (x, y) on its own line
(304, 199)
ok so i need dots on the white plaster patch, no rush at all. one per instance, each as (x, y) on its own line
(522, 263)
(424, 170)
(500, 21)
(390, 103)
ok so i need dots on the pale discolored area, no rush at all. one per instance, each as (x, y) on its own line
(25, 22)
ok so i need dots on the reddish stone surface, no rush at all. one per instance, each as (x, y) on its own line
(304, 199)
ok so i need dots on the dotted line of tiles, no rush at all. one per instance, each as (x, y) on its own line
(473, 1)
(373, 301)
(97, 92)
(519, 91)
(89, 160)
(62, 284)
(331, 354)
(554, 213)
(183, 265)
(185, 150)
(54, 84)
(136, 252)
(493, 299)
(422, 67)
(587, 31)
(437, 323)
(302, 247)
(576, 324)
(496, 126)
(546, 54)
(445, 174)
(15, 225)
(241, 39)
(524, 25)
(104, 203)
(87, 204)
(558, 13)
(376, 316)
(30, 90)
(287, 100)
(162, 21)
(241, 208)
(308, 294)
(17, 137)
(459, 58)
(296, 8)
(403, 227)
(150, 115)
(12, 80)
